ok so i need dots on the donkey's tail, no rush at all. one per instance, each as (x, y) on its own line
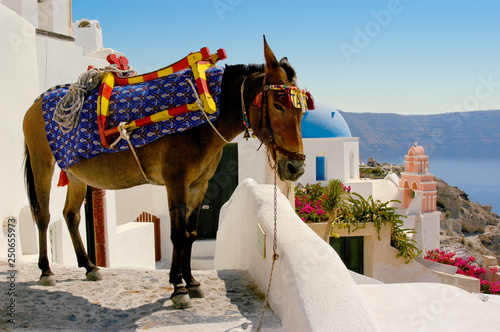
(29, 180)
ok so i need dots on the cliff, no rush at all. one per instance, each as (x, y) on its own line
(387, 136)
(468, 228)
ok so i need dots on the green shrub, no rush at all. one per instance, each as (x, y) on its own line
(337, 204)
(360, 211)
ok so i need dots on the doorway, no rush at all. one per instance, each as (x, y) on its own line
(220, 189)
(350, 249)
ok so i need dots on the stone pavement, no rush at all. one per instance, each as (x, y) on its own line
(130, 299)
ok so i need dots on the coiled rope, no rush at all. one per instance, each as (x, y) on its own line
(69, 108)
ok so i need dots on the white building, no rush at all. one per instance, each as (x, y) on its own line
(38, 52)
(88, 35)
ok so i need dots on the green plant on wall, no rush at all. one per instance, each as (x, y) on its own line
(334, 196)
(336, 205)
(315, 203)
(360, 211)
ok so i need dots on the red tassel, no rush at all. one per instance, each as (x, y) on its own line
(310, 101)
(63, 179)
(258, 100)
(287, 102)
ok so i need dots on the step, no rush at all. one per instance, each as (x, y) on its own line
(203, 248)
(202, 263)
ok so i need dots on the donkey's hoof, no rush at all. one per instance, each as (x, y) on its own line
(181, 301)
(47, 280)
(94, 275)
(195, 292)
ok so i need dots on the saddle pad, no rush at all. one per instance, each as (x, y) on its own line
(128, 103)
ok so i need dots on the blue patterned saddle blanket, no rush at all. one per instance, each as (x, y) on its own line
(128, 103)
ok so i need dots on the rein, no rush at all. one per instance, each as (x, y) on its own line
(294, 96)
(293, 155)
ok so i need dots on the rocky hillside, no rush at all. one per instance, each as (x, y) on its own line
(468, 228)
(387, 136)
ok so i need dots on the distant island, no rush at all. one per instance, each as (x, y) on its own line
(464, 135)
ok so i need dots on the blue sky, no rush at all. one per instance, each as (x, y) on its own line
(407, 57)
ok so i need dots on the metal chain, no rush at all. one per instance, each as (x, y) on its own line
(275, 242)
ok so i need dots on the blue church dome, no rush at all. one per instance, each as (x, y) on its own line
(323, 122)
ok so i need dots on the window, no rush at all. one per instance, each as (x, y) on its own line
(84, 24)
(320, 168)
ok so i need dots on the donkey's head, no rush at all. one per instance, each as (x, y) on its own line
(276, 114)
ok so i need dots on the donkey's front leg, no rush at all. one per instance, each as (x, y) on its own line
(179, 237)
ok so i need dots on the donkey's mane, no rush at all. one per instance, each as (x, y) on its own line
(236, 70)
(232, 74)
(233, 71)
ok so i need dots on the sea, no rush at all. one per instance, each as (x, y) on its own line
(478, 178)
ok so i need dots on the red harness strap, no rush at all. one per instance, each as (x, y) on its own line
(199, 62)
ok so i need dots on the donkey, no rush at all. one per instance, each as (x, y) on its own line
(182, 162)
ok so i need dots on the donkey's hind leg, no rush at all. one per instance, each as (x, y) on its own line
(42, 218)
(74, 199)
(39, 168)
(38, 183)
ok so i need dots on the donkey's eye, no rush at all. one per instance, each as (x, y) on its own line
(279, 107)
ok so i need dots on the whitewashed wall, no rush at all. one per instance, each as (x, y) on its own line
(312, 290)
(88, 35)
(341, 159)
(55, 16)
(52, 53)
(26, 9)
(145, 198)
(30, 65)
(18, 87)
(129, 244)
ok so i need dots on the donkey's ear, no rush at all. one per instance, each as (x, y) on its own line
(290, 72)
(271, 62)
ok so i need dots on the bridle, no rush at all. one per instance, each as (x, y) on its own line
(294, 97)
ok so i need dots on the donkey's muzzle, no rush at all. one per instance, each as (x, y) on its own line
(291, 169)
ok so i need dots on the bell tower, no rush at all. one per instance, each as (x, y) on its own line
(417, 182)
